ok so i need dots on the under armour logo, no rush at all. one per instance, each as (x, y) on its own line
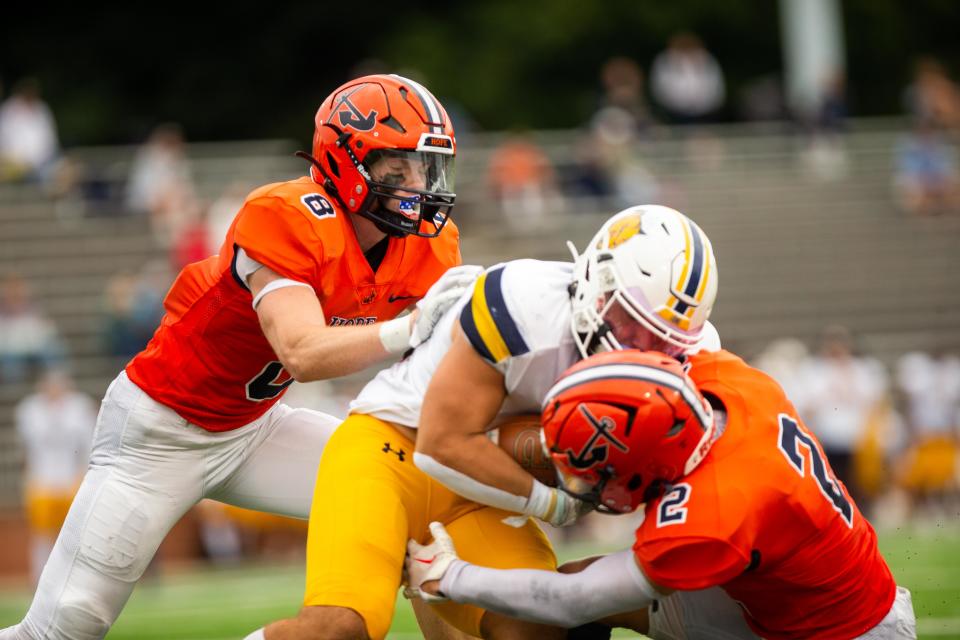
(351, 116)
(593, 453)
(387, 449)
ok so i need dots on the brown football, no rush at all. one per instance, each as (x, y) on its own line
(519, 436)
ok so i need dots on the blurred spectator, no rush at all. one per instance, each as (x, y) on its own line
(27, 337)
(56, 426)
(219, 534)
(784, 360)
(160, 183)
(931, 392)
(28, 135)
(841, 394)
(926, 178)
(133, 306)
(614, 149)
(686, 81)
(762, 99)
(587, 176)
(522, 180)
(622, 81)
(933, 97)
(192, 243)
(222, 211)
(826, 155)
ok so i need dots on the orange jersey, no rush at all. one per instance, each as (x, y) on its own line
(209, 360)
(764, 517)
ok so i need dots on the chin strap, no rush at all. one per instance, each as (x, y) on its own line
(379, 223)
(327, 182)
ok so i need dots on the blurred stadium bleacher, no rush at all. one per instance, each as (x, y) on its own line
(795, 252)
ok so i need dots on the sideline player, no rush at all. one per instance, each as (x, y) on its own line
(737, 494)
(55, 424)
(195, 415)
(507, 342)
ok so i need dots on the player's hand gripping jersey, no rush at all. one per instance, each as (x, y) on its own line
(209, 360)
(517, 317)
(765, 517)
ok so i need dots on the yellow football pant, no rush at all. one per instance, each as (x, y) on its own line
(930, 465)
(369, 500)
(46, 509)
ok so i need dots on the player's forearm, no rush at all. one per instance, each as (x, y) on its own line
(479, 471)
(321, 352)
(477, 456)
(612, 584)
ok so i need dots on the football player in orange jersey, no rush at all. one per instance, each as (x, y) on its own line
(740, 508)
(308, 285)
(740, 502)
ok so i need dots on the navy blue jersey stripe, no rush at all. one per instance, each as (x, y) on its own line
(473, 335)
(501, 317)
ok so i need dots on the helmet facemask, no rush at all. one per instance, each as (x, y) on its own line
(410, 192)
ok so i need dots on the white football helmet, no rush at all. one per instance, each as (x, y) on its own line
(649, 264)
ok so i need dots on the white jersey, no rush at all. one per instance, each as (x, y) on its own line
(56, 437)
(517, 317)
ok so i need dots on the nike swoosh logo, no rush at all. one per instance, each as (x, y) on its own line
(430, 561)
(393, 298)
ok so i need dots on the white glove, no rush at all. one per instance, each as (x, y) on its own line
(429, 562)
(439, 298)
(551, 505)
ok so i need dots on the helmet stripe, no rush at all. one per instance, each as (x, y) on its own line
(696, 273)
(707, 252)
(632, 371)
(430, 104)
(694, 262)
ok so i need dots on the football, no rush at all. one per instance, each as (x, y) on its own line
(519, 436)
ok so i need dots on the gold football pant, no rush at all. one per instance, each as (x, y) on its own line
(47, 509)
(369, 500)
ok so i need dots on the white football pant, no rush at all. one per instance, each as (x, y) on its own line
(711, 614)
(147, 468)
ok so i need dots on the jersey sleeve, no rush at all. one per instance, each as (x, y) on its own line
(690, 563)
(491, 323)
(272, 232)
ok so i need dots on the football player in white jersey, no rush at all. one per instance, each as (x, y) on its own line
(497, 351)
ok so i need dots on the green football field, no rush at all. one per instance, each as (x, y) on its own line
(229, 603)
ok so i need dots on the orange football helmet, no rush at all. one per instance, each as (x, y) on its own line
(384, 148)
(621, 425)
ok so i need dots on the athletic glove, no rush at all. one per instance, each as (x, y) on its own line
(551, 505)
(429, 562)
(439, 298)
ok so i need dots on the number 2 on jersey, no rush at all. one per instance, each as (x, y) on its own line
(792, 437)
(672, 509)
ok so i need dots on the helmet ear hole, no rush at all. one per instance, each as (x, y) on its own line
(332, 163)
(635, 482)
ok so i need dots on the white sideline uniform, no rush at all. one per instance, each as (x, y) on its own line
(147, 468)
(525, 299)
